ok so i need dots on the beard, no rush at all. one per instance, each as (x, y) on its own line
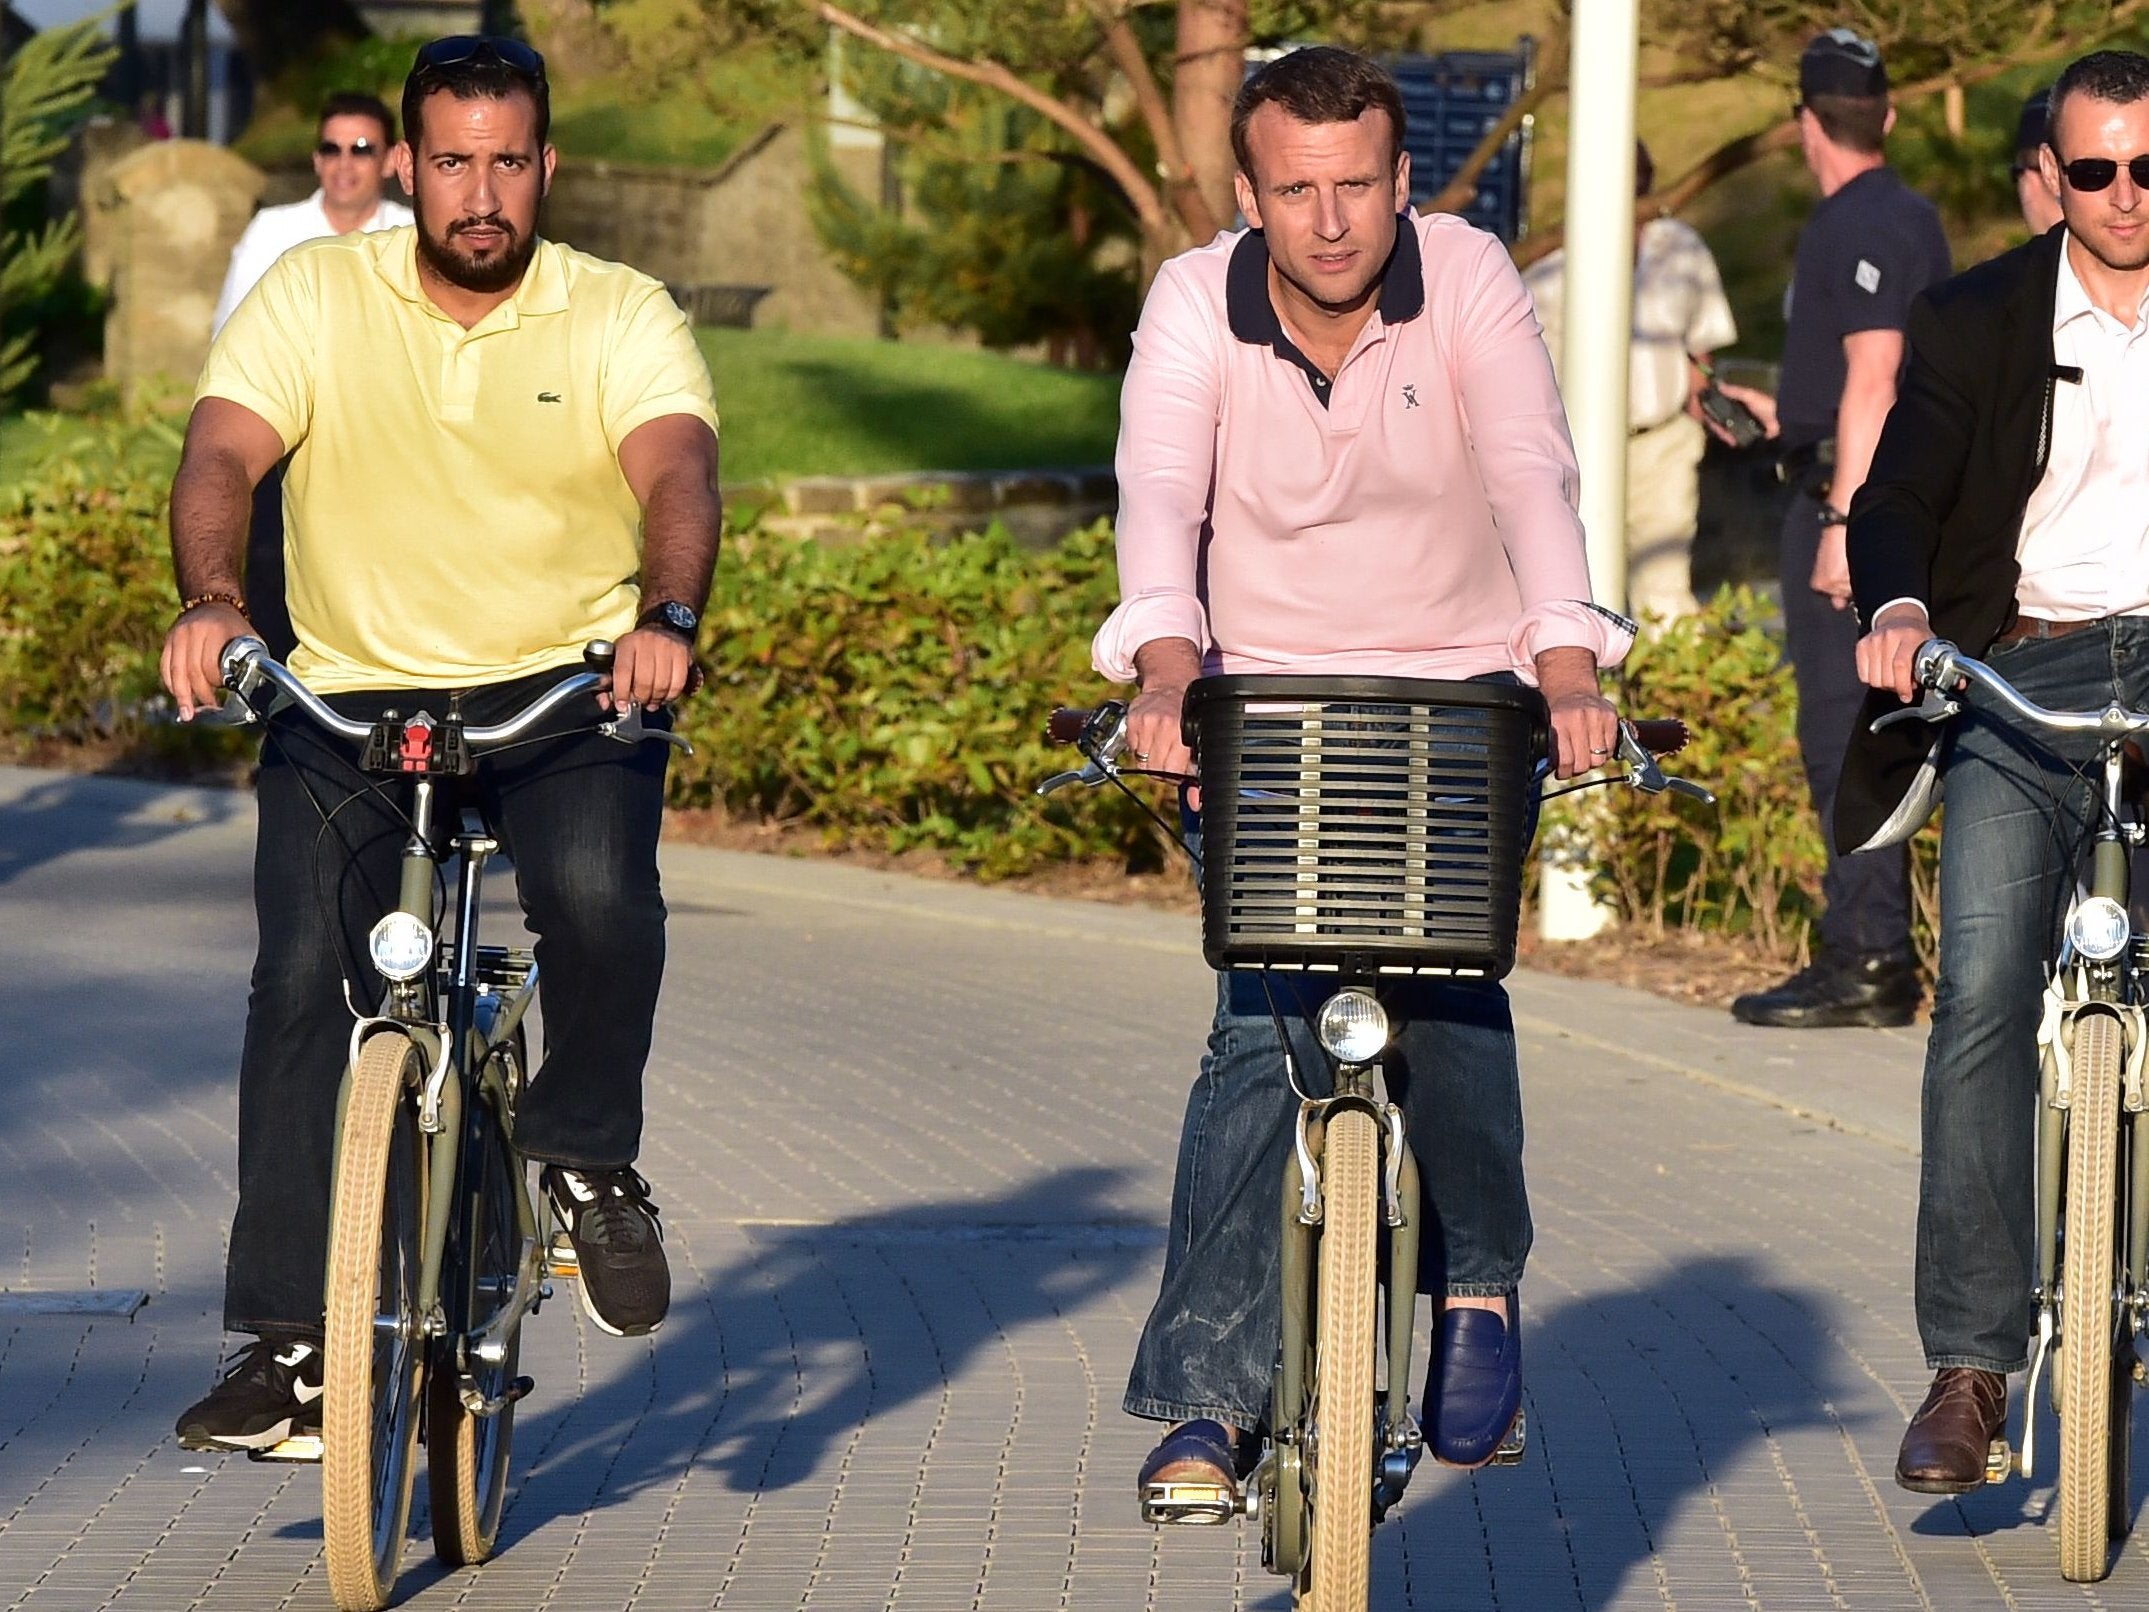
(466, 271)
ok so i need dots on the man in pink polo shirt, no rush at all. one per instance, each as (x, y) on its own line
(1342, 450)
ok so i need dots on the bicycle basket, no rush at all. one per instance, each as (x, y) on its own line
(1363, 825)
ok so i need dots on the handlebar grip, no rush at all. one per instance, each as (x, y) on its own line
(1663, 736)
(1066, 723)
(597, 654)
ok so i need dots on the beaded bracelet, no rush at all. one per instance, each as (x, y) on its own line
(198, 600)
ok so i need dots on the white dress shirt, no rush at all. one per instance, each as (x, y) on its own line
(1679, 308)
(2084, 548)
(274, 231)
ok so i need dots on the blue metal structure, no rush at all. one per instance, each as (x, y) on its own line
(1453, 100)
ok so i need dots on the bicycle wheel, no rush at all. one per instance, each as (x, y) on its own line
(2088, 1275)
(1339, 1564)
(466, 1454)
(371, 1368)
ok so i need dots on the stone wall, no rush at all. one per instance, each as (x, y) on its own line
(744, 223)
(171, 211)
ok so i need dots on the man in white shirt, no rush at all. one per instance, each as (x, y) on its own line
(2007, 510)
(1680, 315)
(350, 158)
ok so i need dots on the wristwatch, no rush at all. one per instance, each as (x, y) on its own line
(1828, 515)
(673, 616)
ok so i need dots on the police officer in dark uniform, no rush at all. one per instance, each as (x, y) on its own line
(1870, 247)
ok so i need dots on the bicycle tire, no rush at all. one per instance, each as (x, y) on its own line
(2088, 1268)
(369, 1409)
(1339, 1564)
(466, 1455)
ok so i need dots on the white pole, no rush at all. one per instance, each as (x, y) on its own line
(1598, 314)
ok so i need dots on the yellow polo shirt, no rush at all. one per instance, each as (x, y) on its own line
(454, 512)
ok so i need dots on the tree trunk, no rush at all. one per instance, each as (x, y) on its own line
(1210, 63)
(275, 34)
(1952, 103)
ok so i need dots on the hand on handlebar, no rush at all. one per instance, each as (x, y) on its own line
(651, 667)
(1154, 743)
(192, 663)
(1887, 655)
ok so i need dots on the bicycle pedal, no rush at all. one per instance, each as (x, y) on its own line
(560, 1258)
(1513, 1447)
(1167, 1505)
(1999, 1461)
(301, 1449)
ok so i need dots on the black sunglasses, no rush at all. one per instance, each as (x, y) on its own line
(357, 148)
(457, 49)
(2097, 173)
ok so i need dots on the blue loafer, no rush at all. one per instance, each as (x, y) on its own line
(1473, 1386)
(1192, 1476)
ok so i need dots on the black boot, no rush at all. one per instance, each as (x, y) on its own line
(1872, 989)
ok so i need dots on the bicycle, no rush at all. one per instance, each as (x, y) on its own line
(2092, 1286)
(1354, 830)
(437, 1250)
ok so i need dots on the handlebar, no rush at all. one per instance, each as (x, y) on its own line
(1100, 733)
(247, 664)
(1941, 669)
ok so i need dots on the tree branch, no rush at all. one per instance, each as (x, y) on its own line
(935, 144)
(1141, 195)
(1179, 177)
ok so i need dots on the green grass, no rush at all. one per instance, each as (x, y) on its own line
(791, 405)
(823, 405)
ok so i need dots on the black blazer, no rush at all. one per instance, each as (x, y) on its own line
(1941, 510)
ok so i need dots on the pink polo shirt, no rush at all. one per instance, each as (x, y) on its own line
(1416, 518)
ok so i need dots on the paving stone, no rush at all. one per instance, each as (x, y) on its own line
(913, 1180)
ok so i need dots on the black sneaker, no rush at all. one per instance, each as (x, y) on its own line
(1878, 990)
(271, 1392)
(626, 1284)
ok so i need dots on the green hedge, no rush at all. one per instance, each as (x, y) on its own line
(891, 692)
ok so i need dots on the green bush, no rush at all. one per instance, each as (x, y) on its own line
(893, 692)
(85, 597)
(1752, 864)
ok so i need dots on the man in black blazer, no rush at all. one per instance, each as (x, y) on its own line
(2007, 510)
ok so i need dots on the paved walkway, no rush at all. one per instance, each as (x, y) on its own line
(913, 1143)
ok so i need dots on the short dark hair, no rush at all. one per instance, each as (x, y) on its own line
(2118, 76)
(358, 104)
(481, 78)
(1317, 84)
(1854, 122)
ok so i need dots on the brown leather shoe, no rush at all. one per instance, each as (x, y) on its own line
(1950, 1440)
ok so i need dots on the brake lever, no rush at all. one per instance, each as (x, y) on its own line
(1934, 707)
(631, 729)
(1644, 773)
(1101, 752)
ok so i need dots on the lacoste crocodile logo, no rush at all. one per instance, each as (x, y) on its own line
(548, 397)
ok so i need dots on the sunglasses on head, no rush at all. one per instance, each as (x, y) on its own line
(357, 148)
(2097, 173)
(457, 49)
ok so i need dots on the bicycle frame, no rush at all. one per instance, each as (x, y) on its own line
(463, 1032)
(2078, 985)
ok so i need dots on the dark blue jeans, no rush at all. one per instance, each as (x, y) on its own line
(579, 814)
(2015, 818)
(1209, 1348)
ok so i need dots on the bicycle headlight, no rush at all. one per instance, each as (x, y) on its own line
(401, 946)
(2098, 930)
(1352, 1026)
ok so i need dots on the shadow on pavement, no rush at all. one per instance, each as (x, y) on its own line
(814, 1333)
(1640, 1400)
(77, 812)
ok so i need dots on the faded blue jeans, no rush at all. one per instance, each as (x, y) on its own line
(2015, 818)
(1209, 1348)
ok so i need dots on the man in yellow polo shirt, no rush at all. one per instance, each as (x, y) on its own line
(500, 449)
